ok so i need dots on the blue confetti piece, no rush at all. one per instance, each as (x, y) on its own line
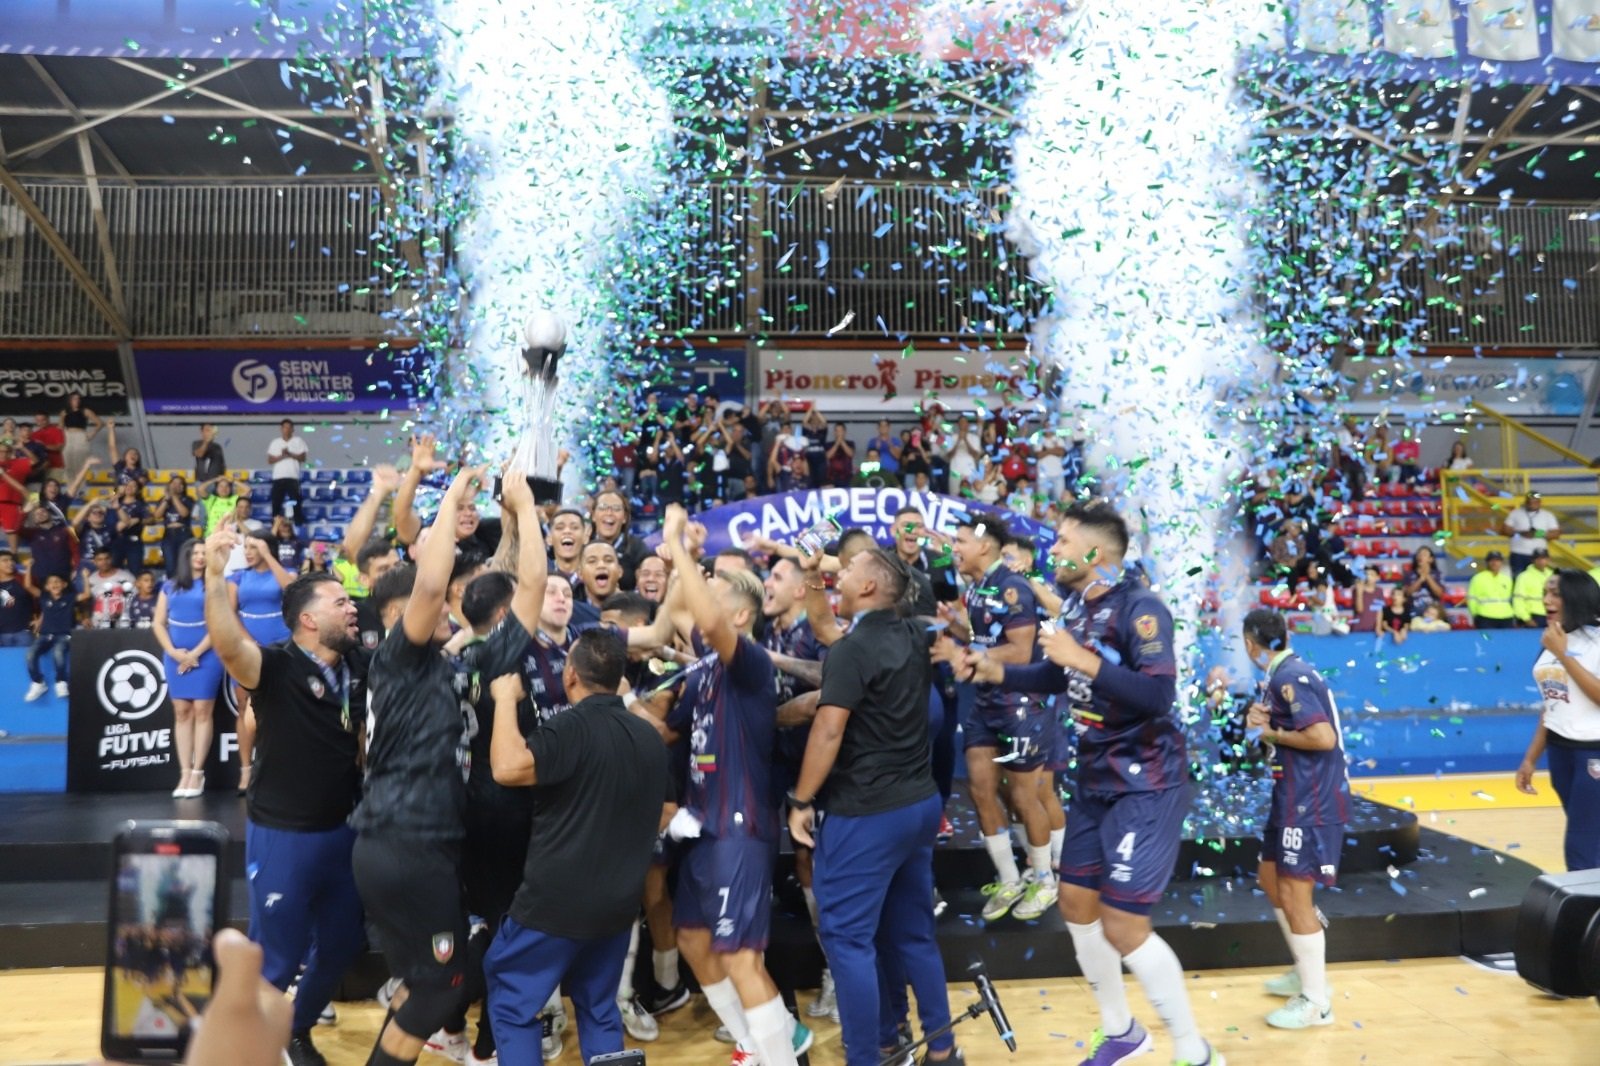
(881, 230)
(1398, 887)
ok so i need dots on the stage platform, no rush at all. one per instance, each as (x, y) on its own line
(1405, 891)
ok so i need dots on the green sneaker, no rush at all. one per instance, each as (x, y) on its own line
(1286, 985)
(803, 1038)
(1039, 896)
(1213, 1058)
(1300, 1013)
(1002, 895)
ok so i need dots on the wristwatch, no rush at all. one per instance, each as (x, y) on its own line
(796, 803)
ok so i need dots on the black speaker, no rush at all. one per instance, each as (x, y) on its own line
(1557, 914)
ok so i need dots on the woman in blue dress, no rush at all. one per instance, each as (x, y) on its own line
(257, 594)
(194, 673)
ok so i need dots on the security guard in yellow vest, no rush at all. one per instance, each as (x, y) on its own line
(1527, 592)
(1489, 594)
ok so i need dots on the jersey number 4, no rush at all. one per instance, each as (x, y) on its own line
(1125, 847)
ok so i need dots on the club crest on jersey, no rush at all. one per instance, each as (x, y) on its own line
(369, 639)
(1287, 691)
(1594, 769)
(1145, 625)
(318, 689)
(1010, 596)
(444, 946)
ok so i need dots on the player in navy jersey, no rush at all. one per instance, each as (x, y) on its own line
(723, 903)
(1006, 731)
(1310, 806)
(1111, 654)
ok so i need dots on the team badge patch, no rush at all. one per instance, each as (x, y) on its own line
(369, 639)
(1146, 626)
(318, 689)
(444, 946)
(1011, 596)
(1594, 769)
(1288, 693)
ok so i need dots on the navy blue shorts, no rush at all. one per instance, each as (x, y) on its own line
(665, 852)
(1307, 852)
(1063, 745)
(726, 886)
(1124, 845)
(1024, 742)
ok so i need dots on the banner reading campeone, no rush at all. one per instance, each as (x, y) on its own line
(781, 516)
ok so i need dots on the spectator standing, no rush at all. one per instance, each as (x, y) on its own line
(95, 528)
(1568, 675)
(14, 472)
(786, 462)
(52, 544)
(1395, 621)
(75, 421)
(1489, 594)
(1527, 591)
(841, 457)
(287, 454)
(193, 671)
(815, 431)
(1050, 466)
(887, 445)
(209, 463)
(625, 458)
(53, 634)
(131, 466)
(741, 461)
(16, 605)
(142, 604)
(1407, 452)
(217, 500)
(127, 545)
(873, 474)
(175, 512)
(53, 439)
(106, 588)
(963, 452)
(1530, 528)
(287, 546)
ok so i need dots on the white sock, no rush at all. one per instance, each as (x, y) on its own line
(1159, 971)
(811, 906)
(1310, 952)
(666, 964)
(1039, 862)
(1283, 923)
(1058, 839)
(1005, 863)
(725, 1002)
(1019, 836)
(1102, 968)
(772, 1029)
(625, 985)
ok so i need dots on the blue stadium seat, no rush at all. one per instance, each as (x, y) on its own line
(324, 476)
(357, 476)
(313, 512)
(341, 512)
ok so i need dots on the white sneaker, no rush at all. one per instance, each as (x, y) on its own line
(1286, 985)
(1038, 898)
(386, 992)
(328, 1016)
(35, 690)
(1002, 894)
(826, 1005)
(452, 1046)
(61, 689)
(555, 1023)
(1300, 1013)
(637, 1020)
(473, 1060)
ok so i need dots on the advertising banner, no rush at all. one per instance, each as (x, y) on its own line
(302, 382)
(40, 381)
(783, 515)
(889, 379)
(1519, 387)
(119, 718)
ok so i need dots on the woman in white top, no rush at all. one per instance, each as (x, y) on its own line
(1568, 675)
(1459, 460)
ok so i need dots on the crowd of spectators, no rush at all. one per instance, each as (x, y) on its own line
(701, 453)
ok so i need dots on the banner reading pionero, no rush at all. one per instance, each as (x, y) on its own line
(322, 381)
(40, 381)
(120, 720)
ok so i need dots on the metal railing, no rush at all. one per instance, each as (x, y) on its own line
(1476, 503)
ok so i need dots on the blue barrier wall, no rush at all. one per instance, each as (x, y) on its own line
(33, 750)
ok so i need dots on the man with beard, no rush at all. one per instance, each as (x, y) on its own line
(609, 520)
(307, 693)
(1111, 653)
(598, 570)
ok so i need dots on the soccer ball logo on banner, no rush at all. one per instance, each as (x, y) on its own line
(131, 685)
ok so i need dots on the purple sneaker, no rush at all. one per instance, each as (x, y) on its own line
(1109, 1050)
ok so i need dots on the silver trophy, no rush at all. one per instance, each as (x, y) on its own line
(537, 453)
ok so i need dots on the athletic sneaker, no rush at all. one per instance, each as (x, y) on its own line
(554, 1022)
(722, 1036)
(826, 1005)
(803, 1038)
(947, 831)
(302, 1052)
(473, 1060)
(1039, 897)
(637, 1020)
(664, 1000)
(1213, 1058)
(1105, 1050)
(1002, 895)
(452, 1046)
(35, 690)
(61, 689)
(1300, 1013)
(1286, 985)
(957, 1057)
(386, 992)
(328, 1016)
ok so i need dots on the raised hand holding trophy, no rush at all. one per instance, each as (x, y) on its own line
(537, 453)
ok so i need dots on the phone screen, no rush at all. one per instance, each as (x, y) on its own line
(159, 968)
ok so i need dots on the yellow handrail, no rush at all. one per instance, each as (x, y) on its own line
(1509, 427)
(1462, 495)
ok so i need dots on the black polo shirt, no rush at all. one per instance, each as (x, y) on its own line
(601, 777)
(304, 776)
(880, 673)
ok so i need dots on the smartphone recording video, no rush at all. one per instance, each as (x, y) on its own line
(167, 892)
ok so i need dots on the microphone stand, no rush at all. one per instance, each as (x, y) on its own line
(974, 1010)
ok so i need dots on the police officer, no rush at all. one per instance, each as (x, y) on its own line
(866, 764)
(308, 693)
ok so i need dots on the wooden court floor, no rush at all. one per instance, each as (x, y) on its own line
(1413, 1012)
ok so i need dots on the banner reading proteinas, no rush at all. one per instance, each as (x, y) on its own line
(32, 381)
